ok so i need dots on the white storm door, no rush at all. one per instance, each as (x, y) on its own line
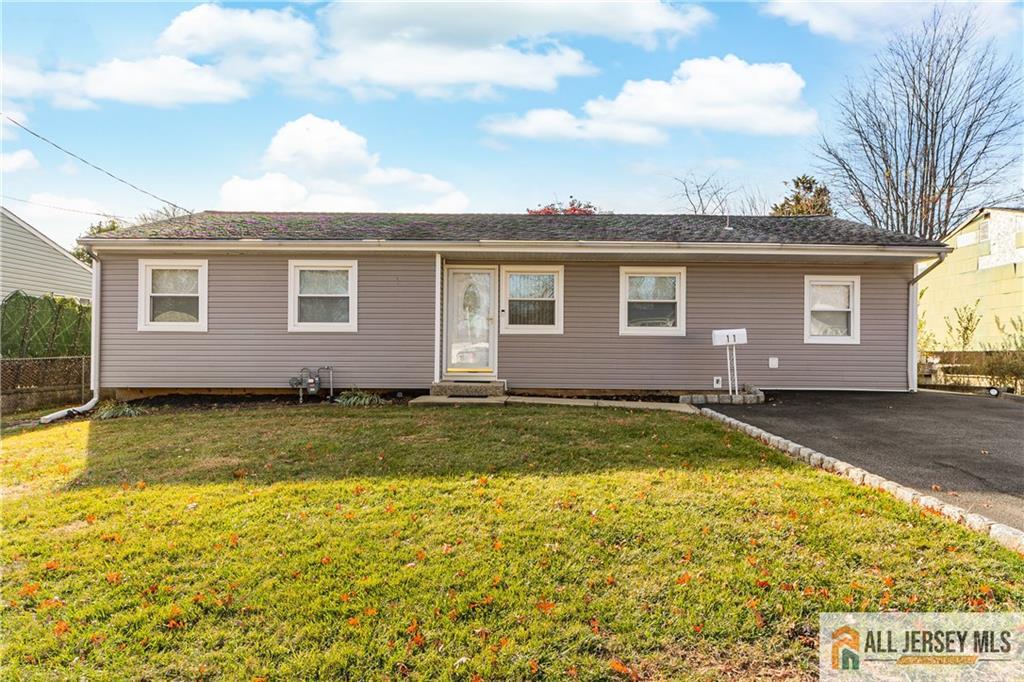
(471, 329)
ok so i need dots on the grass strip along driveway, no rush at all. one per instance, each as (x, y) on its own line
(457, 543)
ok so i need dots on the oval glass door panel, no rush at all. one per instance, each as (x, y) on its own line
(470, 321)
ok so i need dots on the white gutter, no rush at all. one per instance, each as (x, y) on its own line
(513, 246)
(94, 360)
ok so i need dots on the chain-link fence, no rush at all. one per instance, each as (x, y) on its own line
(27, 383)
(43, 326)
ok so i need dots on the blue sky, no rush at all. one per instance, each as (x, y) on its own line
(438, 107)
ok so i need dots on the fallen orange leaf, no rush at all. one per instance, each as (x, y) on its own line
(623, 669)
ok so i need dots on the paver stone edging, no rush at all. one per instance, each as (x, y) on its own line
(1007, 536)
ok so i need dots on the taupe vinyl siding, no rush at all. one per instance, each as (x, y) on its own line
(766, 299)
(247, 344)
(37, 267)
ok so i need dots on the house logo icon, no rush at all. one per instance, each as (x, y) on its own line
(845, 649)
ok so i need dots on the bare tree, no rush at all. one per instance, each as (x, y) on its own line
(712, 195)
(703, 195)
(751, 202)
(930, 133)
(165, 212)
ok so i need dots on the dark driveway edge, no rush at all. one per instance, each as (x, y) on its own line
(1007, 536)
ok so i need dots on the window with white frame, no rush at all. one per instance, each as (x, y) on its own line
(322, 295)
(652, 301)
(832, 309)
(172, 295)
(531, 299)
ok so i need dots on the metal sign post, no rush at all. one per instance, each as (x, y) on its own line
(730, 338)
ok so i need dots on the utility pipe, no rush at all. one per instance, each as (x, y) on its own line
(912, 323)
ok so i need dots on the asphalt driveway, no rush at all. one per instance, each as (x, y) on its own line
(972, 447)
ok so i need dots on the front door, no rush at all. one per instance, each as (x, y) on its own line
(471, 304)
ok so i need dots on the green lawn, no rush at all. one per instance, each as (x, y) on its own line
(516, 542)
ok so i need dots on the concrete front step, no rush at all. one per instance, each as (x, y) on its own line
(540, 400)
(468, 389)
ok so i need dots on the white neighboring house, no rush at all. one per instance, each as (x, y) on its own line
(34, 263)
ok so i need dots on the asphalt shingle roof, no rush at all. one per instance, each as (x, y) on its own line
(471, 227)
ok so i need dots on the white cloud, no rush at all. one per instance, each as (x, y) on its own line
(62, 226)
(423, 182)
(446, 71)
(643, 23)
(211, 29)
(316, 164)
(315, 144)
(453, 202)
(22, 159)
(470, 53)
(559, 123)
(711, 93)
(69, 167)
(271, 192)
(247, 43)
(873, 21)
(212, 53)
(158, 81)
(22, 79)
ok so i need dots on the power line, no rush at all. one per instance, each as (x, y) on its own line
(64, 208)
(92, 165)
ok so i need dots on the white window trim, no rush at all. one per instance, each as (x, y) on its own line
(505, 327)
(145, 289)
(294, 266)
(854, 281)
(625, 329)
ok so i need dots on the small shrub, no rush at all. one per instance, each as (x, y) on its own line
(1013, 333)
(962, 330)
(357, 398)
(1005, 368)
(113, 409)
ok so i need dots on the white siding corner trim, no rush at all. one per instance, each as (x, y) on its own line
(680, 327)
(297, 266)
(146, 268)
(853, 282)
(507, 327)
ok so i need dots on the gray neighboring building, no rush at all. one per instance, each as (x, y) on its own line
(34, 263)
(609, 302)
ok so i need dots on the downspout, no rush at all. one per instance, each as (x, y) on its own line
(438, 266)
(94, 364)
(912, 324)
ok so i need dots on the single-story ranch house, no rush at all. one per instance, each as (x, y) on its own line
(219, 300)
